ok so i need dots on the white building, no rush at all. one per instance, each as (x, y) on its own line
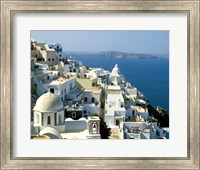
(82, 128)
(49, 121)
(43, 54)
(49, 112)
(82, 69)
(114, 107)
(41, 77)
(64, 87)
(131, 91)
(91, 101)
(142, 130)
(137, 111)
(58, 51)
(100, 74)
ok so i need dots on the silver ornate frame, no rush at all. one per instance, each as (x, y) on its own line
(10, 8)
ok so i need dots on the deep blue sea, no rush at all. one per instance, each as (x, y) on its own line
(150, 76)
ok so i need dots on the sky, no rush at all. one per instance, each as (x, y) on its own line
(145, 42)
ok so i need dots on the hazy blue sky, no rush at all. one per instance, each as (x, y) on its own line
(149, 42)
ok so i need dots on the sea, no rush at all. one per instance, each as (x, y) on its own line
(149, 76)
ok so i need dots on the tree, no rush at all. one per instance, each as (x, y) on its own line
(87, 67)
(104, 130)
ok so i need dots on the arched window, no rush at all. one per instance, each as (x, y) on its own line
(94, 127)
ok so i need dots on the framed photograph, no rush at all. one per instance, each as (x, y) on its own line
(123, 74)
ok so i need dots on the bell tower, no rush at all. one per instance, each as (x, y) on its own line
(93, 125)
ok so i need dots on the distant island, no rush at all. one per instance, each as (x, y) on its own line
(118, 54)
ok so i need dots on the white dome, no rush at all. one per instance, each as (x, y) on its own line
(116, 70)
(48, 102)
(52, 133)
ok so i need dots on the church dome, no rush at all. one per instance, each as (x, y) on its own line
(48, 102)
(116, 70)
(52, 133)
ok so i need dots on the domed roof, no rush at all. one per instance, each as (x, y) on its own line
(116, 70)
(48, 102)
(52, 133)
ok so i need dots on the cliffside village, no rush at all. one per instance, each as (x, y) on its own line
(70, 100)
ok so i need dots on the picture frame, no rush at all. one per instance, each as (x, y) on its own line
(11, 8)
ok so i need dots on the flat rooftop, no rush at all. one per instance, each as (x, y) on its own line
(114, 97)
(62, 79)
(139, 109)
(93, 90)
(113, 87)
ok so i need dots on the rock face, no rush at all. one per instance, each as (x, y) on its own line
(162, 118)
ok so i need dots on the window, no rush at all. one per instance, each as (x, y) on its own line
(49, 59)
(36, 55)
(52, 90)
(84, 112)
(43, 59)
(133, 112)
(59, 118)
(92, 99)
(60, 59)
(52, 59)
(48, 120)
(64, 90)
(37, 118)
(73, 114)
(85, 99)
(60, 55)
